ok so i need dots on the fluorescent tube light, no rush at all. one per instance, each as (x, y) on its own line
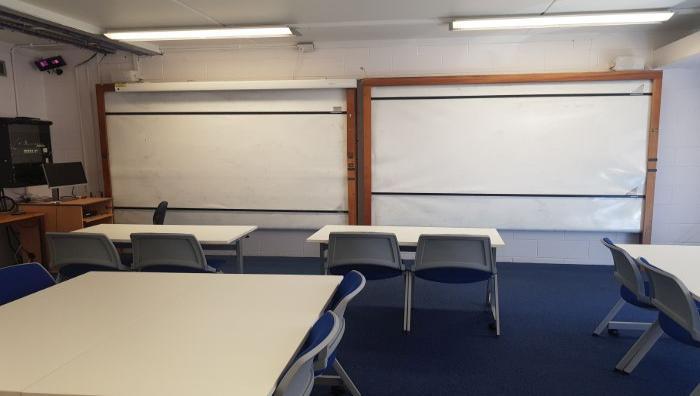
(199, 34)
(562, 20)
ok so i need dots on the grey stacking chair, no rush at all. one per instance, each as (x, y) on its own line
(679, 316)
(76, 253)
(156, 252)
(633, 290)
(299, 378)
(457, 259)
(352, 284)
(375, 255)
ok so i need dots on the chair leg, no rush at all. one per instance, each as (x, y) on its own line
(496, 308)
(488, 294)
(408, 301)
(640, 348)
(349, 385)
(610, 316)
(696, 391)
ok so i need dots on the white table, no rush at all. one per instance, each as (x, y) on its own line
(158, 334)
(682, 261)
(407, 237)
(228, 237)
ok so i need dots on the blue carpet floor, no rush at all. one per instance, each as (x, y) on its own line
(548, 313)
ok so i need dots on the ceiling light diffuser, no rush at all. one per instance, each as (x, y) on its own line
(201, 34)
(562, 20)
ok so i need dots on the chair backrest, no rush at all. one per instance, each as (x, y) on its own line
(670, 296)
(627, 270)
(159, 214)
(17, 281)
(356, 248)
(352, 284)
(454, 251)
(82, 248)
(299, 378)
(176, 250)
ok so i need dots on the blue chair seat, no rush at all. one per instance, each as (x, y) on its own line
(371, 272)
(216, 263)
(453, 275)
(173, 268)
(631, 298)
(673, 330)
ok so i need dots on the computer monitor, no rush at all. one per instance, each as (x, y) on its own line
(64, 174)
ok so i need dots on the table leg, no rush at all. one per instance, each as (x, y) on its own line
(322, 251)
(239, 256)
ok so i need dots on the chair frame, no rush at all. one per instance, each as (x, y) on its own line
(299, 363)
(649, 338)
(112, 250)
(492, 301)
(612, 326)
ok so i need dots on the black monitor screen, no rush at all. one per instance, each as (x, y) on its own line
(64, 174)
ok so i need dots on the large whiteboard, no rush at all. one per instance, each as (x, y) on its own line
(513, 156)
(271, 158)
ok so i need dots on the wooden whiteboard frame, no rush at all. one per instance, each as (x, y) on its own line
(350, 93)
(655, 76)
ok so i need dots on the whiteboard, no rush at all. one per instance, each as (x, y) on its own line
(516, 156)
(273, 158)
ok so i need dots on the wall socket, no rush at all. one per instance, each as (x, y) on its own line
(3, 69)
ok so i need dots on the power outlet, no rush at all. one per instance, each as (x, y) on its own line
(3, 69)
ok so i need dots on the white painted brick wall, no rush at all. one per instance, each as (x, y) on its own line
(508, 53)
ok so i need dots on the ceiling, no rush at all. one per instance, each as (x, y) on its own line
(339, 20)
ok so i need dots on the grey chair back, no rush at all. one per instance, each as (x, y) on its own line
(454, 251)
(671, 297)
(76, 248)
(299, 378)
(357, 248)
(159, 213)
(627, 270)
(168, 250)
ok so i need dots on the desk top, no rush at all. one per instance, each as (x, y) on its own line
(6, 218)
(170, 334)
(72, 202)
(205, 234)
(406, 236)
(683, 261)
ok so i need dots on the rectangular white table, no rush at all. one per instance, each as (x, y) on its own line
(133, 334)
(682, 261)
(221, 236)
(407, 237)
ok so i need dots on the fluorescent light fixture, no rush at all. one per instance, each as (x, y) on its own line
(199, 34)
(562, 20)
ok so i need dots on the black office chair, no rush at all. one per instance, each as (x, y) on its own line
(159, 214)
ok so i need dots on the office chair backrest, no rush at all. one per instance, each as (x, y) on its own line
(17, 281)
(454, 251)
(352, 284)
(159, 214)
(670, 296)
(82, 248)
(627, 270)
(167, 250)
(357, 248)
(299, 378)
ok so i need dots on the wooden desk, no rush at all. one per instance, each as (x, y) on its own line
(31, 228)
(66, 216)
(171, 334)
(228, 237)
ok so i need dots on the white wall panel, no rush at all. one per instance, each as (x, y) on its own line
(510, 213)
(573, 139)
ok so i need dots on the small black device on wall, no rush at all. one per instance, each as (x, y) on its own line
(52, 64)
(25, 144)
